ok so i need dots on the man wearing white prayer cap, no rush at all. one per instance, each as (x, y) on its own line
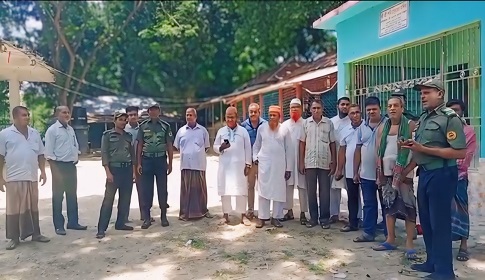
(295, 126)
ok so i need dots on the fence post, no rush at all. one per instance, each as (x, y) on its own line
(280, 103)
(261, 101)
(251, 99)
(298, 89)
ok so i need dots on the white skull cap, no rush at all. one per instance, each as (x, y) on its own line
(295, 101)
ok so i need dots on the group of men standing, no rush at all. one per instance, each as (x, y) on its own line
(373, 157)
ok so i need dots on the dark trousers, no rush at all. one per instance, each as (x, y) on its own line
(64, 180)
(154, 167)
(123, 183)
(371, 207)
(318, 177)
(353, 196)
(140, 197)
(436, 189)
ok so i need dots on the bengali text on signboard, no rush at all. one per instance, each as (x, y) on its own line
(394, 19)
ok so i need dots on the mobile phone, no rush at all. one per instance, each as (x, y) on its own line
(226, 141)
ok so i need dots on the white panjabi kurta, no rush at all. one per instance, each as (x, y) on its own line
(295, 129)
(232, 161)
(275, 155)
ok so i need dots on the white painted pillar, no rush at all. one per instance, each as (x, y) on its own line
(13, 95)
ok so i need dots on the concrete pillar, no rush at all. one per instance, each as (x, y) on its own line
(13, 95)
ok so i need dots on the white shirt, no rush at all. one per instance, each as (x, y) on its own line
(318, 137)
(232, 161)
(295, 129)
(133, 131)
(368, 153)
(338, 125)
(61, 143)
(275, 156)
(21, 155)
(349, 140)
(192, 144)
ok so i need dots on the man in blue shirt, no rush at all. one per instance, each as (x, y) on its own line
(251, 125)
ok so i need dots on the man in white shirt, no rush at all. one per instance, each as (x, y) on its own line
(295, 126)
(22, 153)
(274, 155)
(348, 142)
(62, 152)
(234, 148)
(365, 169)
(192, 140)
(132, 127)
(340, 121)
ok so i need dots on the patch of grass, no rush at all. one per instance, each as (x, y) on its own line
(288, 253)
(198, 244)
(240, 257)
(225, 274)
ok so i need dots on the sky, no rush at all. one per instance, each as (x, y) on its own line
(30, 25)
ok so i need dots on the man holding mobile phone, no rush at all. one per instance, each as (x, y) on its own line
(439, 142)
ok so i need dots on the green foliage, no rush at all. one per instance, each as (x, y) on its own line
(177, 50)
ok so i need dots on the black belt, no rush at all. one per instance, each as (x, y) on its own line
(154, 155)
(120, 164)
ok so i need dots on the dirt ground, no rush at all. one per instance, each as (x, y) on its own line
(215, 252)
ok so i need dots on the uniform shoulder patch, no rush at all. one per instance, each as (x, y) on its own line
(129, 133)
(107, 131)
(449, 112)
(451, 135)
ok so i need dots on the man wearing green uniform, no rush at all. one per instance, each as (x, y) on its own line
(155, 142)
(118, 159)
(438, 142)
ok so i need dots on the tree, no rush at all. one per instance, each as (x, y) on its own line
(74, 34)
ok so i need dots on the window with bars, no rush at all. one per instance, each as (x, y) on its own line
(454, 56)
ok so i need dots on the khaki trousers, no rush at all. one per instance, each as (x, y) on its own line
(252, 176)
(302, 198)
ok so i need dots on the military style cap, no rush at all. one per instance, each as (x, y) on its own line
(119, 114)
(399, 92)
(433, 83)
(154, 105)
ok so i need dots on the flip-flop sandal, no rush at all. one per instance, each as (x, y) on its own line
(463, 256)
(362, 239)
(384, 247)
(411, 254)
(12, 245)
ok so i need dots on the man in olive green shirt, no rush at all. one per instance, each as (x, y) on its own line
(438, 142)
(118, 159)
(155, 142)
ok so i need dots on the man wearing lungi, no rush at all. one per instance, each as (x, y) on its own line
(460, 218)
(22, 153)
(192, 140)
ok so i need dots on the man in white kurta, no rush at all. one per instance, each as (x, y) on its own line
(295, 126)
(274, 154)
(233, 145)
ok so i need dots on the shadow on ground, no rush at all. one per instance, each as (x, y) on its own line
(215, 252)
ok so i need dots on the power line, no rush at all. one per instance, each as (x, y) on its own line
(116, 92)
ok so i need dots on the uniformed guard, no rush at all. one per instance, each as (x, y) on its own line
(118, 158)
(408, 114)
(439, 140)
(155, 143)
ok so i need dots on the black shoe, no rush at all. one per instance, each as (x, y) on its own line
(422, 267)
(434, 276)
(100, 235)
(165, 222)
(146, 224)
(303, 219)
(123, 227)
(310, 224)
(77, 227)
(349, 228)
(60, 231)
(276, 223)
(334, 219)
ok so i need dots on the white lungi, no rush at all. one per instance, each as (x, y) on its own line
(241, 201)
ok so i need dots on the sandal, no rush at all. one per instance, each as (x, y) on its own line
(12, 244)
(363, 238)
(411, 254)
(463, 255)
(384, 247)
(287, 217)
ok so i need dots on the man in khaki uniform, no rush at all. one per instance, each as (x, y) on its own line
(438, 142)
(118, 159)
